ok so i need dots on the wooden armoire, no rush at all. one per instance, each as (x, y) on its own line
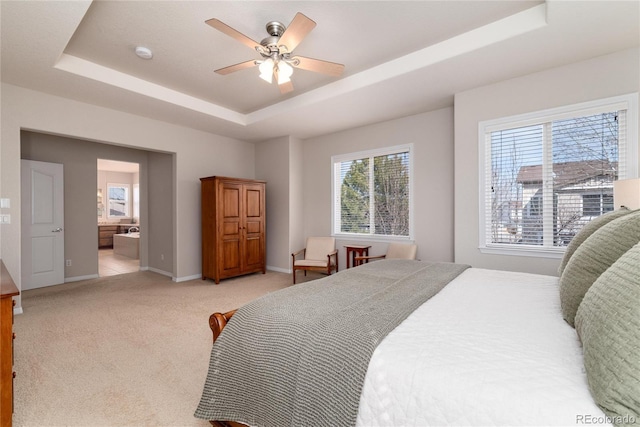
(233, 227)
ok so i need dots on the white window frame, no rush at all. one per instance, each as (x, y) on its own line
(628, 151)
(127, 202)
(136, 201)
(335, 192)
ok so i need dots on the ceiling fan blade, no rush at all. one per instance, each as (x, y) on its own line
(296, 31)
(319, 66)
(286, 87)
(236, 67)
(231, 32)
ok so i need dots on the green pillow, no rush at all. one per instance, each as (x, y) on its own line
(608, 323)
(593, 257)
(587, 231)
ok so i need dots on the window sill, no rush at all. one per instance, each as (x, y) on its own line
(370, 238)
(555, 253)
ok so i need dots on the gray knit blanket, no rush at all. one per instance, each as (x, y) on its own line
(298, 357)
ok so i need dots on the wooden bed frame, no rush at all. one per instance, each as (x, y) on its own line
(217, 322)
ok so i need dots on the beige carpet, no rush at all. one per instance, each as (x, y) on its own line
(128, 350)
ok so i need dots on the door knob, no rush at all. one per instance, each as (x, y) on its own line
(57, 230)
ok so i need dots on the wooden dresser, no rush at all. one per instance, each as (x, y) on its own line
(233, 227)
(8, 290)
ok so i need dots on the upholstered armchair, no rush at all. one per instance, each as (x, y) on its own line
(320, 254)
(394, 251)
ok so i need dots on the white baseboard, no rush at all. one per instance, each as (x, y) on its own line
(155, 270)
(78, 278)
(199, 276)
(17, 310)
(187, 278)
(278, 269)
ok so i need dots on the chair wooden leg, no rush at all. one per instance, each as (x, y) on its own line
(294, 276)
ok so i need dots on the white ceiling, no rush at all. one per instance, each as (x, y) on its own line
(116, 166)
(401, 57)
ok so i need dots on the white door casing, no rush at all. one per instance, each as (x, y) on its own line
(42, 188)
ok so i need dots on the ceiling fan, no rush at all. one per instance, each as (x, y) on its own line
(276, 51)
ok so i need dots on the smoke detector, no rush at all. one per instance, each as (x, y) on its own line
(144, 52)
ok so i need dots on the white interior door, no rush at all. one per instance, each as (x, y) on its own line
(42, 218)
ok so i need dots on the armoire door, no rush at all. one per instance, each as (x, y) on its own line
(230, 245)
(253, 243)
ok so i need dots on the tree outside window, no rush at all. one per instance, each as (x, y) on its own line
(374, 196)
(549, 176)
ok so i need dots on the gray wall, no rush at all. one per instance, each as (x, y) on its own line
(602, 77)
(161, 210)
(279, 162)
(432, 136)
(197, 154)
(272, 166)
(299, 177)
(296, 198)
(80, 183)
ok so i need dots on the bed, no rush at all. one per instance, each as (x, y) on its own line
(487, 347)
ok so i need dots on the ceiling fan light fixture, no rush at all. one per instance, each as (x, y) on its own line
(284, 72)
(267, 77)
(277, 50)
(283, 79)
(266, 70)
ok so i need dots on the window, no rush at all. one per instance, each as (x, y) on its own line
(545, 175)
(118, 201)
(372, 193)
(596, 204)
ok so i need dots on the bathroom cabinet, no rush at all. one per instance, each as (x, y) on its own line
(107, 231)
(233, 227)
(105, 235)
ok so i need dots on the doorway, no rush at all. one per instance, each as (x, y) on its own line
(157, 207)
(118, 216)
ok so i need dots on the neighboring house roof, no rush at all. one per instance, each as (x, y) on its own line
(568, 173)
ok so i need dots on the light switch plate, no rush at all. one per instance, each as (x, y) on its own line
(5, 219)
(5, 203)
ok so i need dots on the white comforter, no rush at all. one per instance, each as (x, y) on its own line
(490, 349)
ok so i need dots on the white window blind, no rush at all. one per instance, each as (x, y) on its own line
(545, 177)
(372, 193)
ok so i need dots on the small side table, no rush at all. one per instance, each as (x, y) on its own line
(353, 251)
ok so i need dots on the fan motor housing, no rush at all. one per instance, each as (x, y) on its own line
(275, 28)
(270, 42)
